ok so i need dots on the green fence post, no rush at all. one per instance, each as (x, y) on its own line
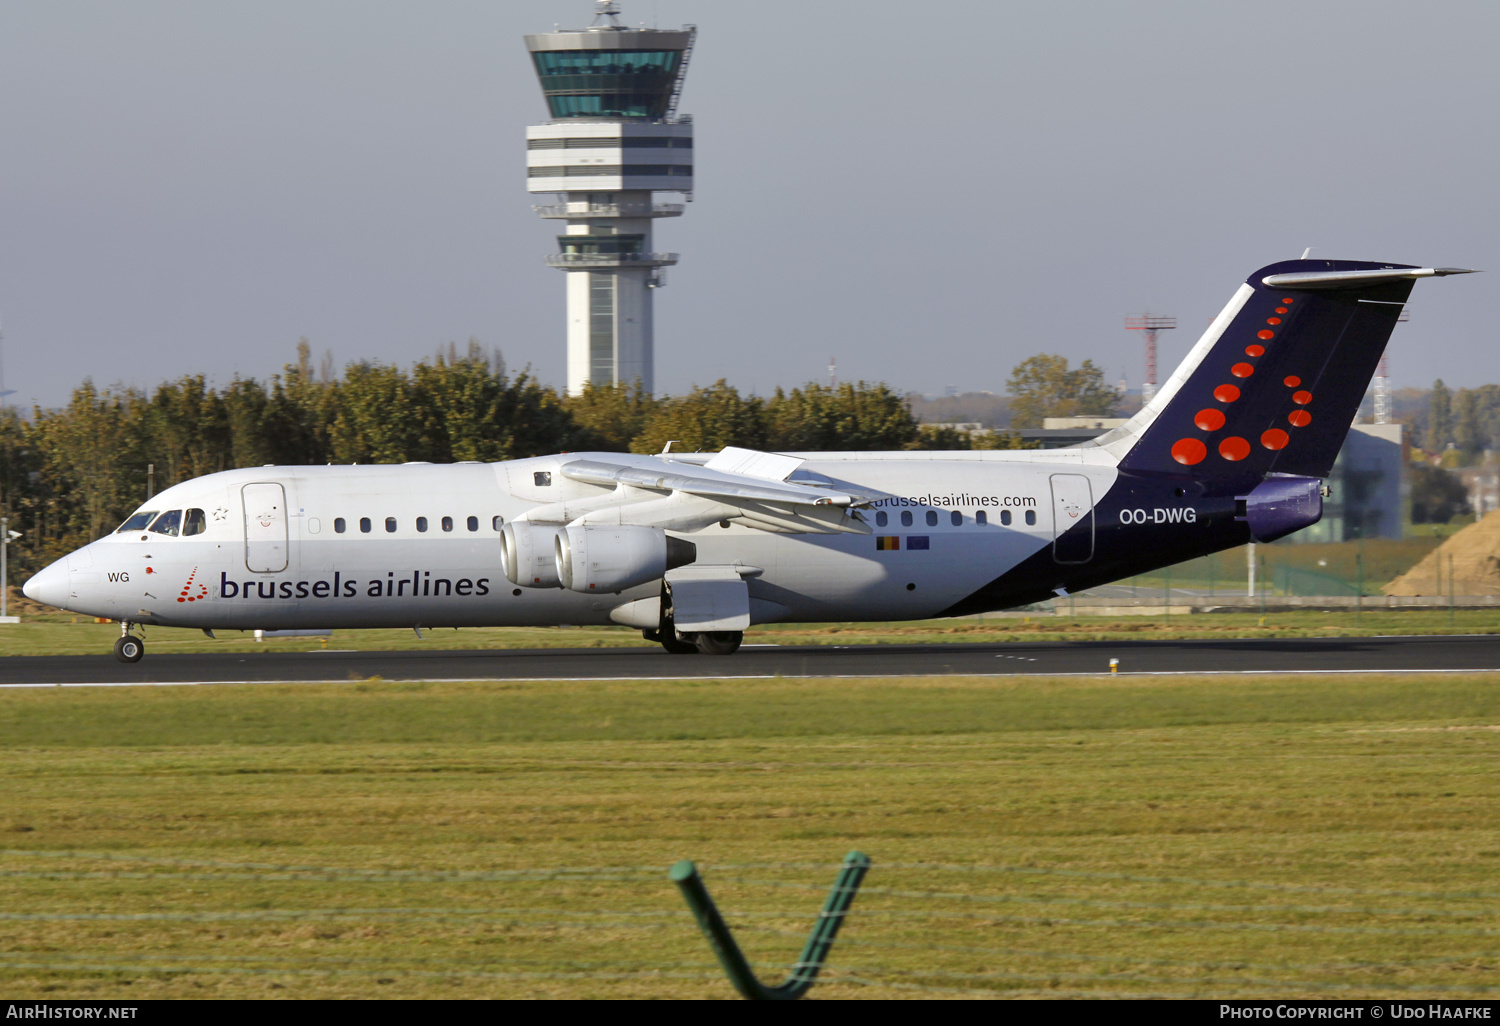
(805, 973)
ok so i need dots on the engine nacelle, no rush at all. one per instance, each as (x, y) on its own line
(526, 553)
(615, 558)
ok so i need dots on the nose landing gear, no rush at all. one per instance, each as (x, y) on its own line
(129, 648)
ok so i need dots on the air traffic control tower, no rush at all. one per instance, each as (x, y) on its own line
(614, 141)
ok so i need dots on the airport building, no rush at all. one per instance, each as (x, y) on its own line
(613, 143)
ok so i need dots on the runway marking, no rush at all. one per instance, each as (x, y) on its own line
(749, 676)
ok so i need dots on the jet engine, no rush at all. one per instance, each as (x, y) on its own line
(615, 558)
(526, 553)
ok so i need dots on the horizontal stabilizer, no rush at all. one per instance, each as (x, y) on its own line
(1356, 279)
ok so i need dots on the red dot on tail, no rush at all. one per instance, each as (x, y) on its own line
(1267, 334)
(1301, 398)
(1255, 351)
(1234, 449)
(1299, 418)
(1189, 451)
(1209, 420)
(1292, 382)
(1242, 370)
(1226, 393)
(1275, 439)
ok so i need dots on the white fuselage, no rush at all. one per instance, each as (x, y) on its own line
(419, 545)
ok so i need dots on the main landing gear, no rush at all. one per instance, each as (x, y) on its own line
(699, 643)
(129, 648)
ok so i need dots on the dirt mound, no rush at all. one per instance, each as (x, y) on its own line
(1474, 553)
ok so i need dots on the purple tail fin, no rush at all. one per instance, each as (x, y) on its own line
(1275, 383)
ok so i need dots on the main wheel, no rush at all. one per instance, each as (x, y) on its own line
(675, 647)
(129, 649)
(719, 642)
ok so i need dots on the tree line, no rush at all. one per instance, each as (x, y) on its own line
(70, 475)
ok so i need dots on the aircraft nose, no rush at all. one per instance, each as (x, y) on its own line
(49, 586)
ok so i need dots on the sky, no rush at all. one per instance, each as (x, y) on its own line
(929, 193)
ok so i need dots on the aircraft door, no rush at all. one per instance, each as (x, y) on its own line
(1072, 519)
(265, 528)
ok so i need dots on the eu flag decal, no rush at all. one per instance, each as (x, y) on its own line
(887, 543)
(915, 542)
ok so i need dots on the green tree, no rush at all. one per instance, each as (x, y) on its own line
(375, 418)
(849, 417)
(297, 421)
(469, 409)
(1466, 431)
(187, 431)
(1043, 386)
(91, 454)
(1439, 417)
(610, 417)
(704, 420)
(1437, 495)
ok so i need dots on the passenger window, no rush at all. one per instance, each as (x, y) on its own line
(339, 525)
(1005, 518)
(421, 525)
(981, 518)
(906, 518)
(447, 523)
(1031, 518)
(543, 478)
(364, 525)
(473, 523)
(390, 525)
(138, 522)
(932, 518)
(881, 519)
(196, 523)
(956, 518)
(168, 523)
(497, 523)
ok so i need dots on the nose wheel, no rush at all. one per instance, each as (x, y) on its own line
(129, 648)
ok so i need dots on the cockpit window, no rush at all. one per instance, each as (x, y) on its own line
(137, 521)
(195, 523)
(168, 523)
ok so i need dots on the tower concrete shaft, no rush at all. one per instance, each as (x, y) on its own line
(614, 141)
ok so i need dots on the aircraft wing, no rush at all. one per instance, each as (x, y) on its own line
(737, 484)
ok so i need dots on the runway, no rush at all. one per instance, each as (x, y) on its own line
(1298, 655)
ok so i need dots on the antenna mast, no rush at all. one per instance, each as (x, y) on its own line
(1150, 324)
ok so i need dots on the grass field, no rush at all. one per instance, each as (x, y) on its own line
(1031, 837)
(64, 634)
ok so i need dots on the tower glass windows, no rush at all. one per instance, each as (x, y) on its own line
(601, 245)
(608, 83)
(602, 328)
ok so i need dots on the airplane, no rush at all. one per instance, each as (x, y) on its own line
(694, 548)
